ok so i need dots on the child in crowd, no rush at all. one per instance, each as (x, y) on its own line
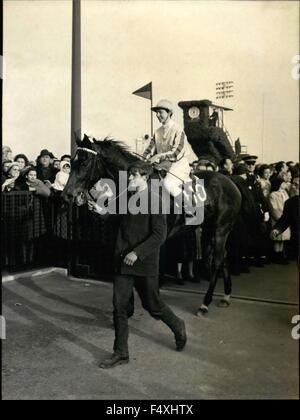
(62, 176)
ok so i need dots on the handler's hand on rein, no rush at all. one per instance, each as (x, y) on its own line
(130, 258)
(92, 206)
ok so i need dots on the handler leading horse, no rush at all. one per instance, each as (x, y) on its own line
(97, 159)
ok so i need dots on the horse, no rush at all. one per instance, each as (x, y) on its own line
(98, 159)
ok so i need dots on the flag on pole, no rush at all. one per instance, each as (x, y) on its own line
(145, 91)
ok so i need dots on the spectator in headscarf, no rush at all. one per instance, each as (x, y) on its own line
(13, 173)
(62, 176)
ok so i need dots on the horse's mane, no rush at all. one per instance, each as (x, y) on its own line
(115, 149)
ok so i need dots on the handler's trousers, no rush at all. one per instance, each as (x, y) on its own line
(147, 288)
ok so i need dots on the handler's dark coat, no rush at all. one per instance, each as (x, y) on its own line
(143, 234)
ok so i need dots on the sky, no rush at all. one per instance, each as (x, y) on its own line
(184, 47)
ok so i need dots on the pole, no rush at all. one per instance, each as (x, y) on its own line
(151, 112)
(76, 74)
(263, 127)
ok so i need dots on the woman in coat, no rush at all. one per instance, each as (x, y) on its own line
(277, 198)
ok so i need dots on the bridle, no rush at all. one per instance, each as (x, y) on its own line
(87, 150)
(100, 158)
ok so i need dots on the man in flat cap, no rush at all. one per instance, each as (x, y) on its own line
(45, 170)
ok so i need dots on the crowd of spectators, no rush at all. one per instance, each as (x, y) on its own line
(266, 229)
(27, 220)
(45, 176)
(268, 190)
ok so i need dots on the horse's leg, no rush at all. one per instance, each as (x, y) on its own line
(225, 301)
(218, 258)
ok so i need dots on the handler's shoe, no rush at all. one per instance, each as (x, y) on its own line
(113, 361)
(180, 336)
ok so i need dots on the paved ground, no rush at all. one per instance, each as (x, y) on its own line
(58, 330)
(277, 283)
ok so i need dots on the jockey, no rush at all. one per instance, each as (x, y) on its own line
(169, 146)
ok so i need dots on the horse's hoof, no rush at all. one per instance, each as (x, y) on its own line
(202, 311)
(223, 303)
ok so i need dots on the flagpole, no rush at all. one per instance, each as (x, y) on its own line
(263, 126)
(146, 92)
(151, 112)
(76, 75)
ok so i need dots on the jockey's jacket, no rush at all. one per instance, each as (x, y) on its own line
(169, 141)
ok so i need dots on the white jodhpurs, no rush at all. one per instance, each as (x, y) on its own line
(180, 169)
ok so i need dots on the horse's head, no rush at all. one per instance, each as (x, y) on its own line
(86, 170)
(94, 160)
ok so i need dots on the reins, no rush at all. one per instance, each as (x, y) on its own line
(97, 154)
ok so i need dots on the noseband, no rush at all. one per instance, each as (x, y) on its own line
(87, 150)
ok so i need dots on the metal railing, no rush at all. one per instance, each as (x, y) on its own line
(38, 232)
(29, 230)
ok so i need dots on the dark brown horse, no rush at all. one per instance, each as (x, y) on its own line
(97, 159)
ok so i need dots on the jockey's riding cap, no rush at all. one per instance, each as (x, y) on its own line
(163, 104)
